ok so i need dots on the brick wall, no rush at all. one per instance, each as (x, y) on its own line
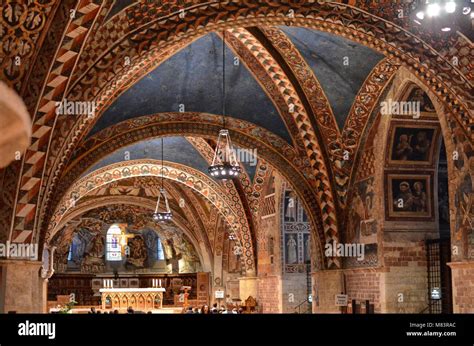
(405, 278)
(269, 294)
(405, 254)
(363, 284)
(463, 286)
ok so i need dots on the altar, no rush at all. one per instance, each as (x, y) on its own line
(140, 299)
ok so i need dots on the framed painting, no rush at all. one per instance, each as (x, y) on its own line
(413, 145)
(409, 196)
(415, 96)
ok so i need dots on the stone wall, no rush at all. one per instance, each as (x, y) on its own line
(326, 284)
(21, 288)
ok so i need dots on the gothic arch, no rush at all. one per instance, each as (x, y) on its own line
(455, 142)
(362, 27)
(206, 256)
(210, 190)
(271, 148)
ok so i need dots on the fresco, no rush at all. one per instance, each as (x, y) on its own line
(418, 95)
(362, 225)
(413, 144)
(409, 196)
(150, 248)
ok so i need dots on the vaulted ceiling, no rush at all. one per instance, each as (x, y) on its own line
(300, 89)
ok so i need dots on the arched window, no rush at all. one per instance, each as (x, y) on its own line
(69, 255)
(114, 250)
(160, 255)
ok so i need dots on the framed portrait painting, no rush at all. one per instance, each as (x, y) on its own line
(409, 196)
(413, 145)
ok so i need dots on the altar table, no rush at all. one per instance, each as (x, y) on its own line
(142, 299)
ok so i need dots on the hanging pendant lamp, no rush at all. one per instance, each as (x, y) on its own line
(224, 163)
(165, 213)
(445, 16)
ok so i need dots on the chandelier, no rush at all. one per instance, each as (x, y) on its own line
(224, 163)
(445, 15)
(165, 213)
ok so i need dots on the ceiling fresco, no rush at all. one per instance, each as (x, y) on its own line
(262, 83)
(176, 149)
(193, 78)
(326, 55)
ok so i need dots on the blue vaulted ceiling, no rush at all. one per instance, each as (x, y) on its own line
(118, 6)
(193, 78)
(175, 149)
(325, 54)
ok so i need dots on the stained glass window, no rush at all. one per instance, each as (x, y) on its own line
(114, 251)
(160, 255)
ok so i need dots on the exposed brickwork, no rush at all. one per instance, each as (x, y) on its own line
(269, 294)
(463, 287)
(405, 280)
(362, 285)
(405, 255)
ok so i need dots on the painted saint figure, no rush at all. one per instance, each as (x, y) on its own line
(307, 255)
(404, 200)
(291, 250)
(419, 197)
(290, 213)
(422, 147)
(403, 149)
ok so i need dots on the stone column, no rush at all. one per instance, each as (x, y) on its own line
(21, 287)
(462, 274)
(248, 287)
(326, 285)
(217, 282)
(47, 270)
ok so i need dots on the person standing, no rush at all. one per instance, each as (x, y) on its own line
(205, 310)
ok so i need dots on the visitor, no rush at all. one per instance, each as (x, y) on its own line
(130, 310)
(214, 309)
(196, 310)
(223, 310)
(205, 310)
(241, 310)
(92, 311)
(190, 310)
(234, 311)
(116, 311)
